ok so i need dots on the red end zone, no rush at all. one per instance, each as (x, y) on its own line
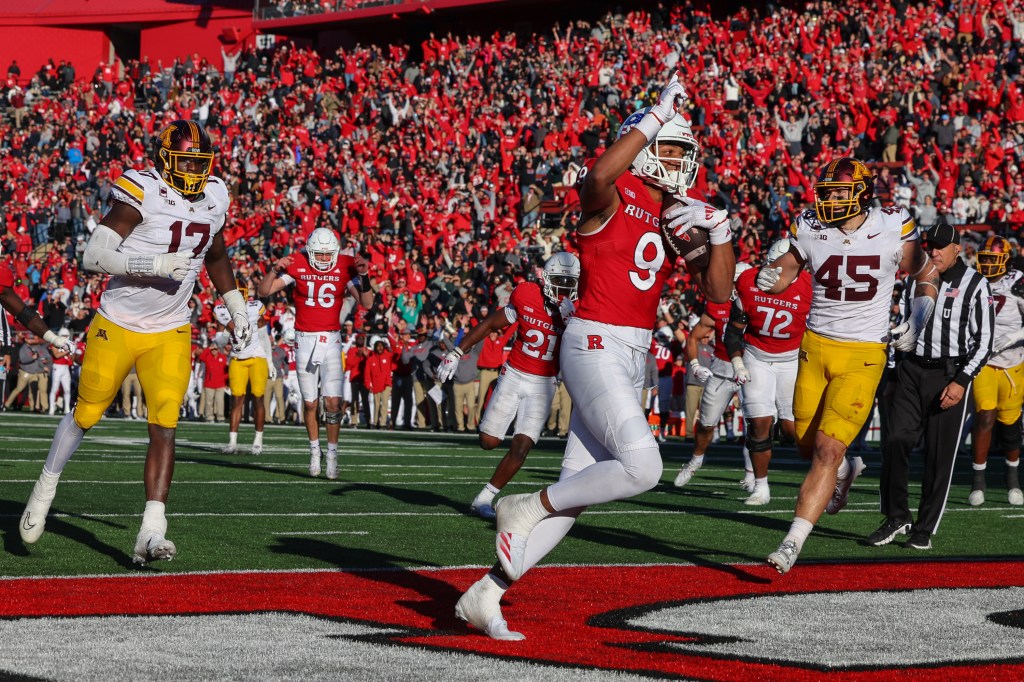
(577, 617)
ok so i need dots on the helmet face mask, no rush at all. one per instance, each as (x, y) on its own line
(322, 241)
(844, 189)
(184, 157)
(994, 258)
(672, 173)
(561, 277)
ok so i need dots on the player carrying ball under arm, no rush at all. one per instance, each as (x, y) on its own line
(611, 453)
(322, 277)
(163, 225)
(853, 252)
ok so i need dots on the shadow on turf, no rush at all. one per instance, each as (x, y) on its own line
(237, 461)
(57, 526)
(440, 597)
(418, 498)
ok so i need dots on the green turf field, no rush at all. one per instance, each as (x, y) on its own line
(402, 501)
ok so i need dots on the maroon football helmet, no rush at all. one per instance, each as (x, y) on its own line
(184, 157)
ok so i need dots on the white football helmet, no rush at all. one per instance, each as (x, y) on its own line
(777, 250)
(740, 269)
(289, 336)
(323, 240)
(650, 164)
(64, 333)
(561, 277)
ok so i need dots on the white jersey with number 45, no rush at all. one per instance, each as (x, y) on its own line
(853, 274)
(170, 224)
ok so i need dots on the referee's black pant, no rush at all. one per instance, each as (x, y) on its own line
(912, 403)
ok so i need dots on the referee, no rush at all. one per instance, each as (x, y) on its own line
(927, 397)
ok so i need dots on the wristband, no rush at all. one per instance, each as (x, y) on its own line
(650, 125)
(364, 284)
(51, 338)
(694, 364)
(737, 363)
(458, 352)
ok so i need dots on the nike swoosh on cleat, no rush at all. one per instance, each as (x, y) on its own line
(25, 524)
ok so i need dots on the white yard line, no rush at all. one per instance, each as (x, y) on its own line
(322, 532)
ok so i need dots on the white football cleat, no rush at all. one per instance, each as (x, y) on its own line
(747, 483)
(1015, 497)
(33, 519)
(230, 449)
(332, 468)
(514, 523)
(480, 607)
(759, 497)
(784, 557)
(257, 449)
(976, 498)
(150, 545)
(684, 475)
(842, 491)
(314, 462)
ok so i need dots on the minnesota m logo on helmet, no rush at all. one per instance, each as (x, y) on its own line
(844, 189)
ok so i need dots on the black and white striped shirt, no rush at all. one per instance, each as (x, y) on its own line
(963, 323)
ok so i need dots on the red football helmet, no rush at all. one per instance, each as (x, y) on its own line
(846, 173)
(184, 157)
(993, 257)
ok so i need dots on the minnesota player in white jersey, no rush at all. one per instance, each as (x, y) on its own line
(164, 224)
(250, 368)
(999, 386)
(611, 453)
(853, 252)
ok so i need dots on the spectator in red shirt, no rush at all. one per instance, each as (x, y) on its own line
(215, 381)
(377, 375)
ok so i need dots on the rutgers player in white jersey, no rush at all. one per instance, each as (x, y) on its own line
(999, 387)
(763, 339)
(164, 224)
(321, 278)
(250, 367)
(721, 383)
(611, 453)
(526, 383)
(853, 252)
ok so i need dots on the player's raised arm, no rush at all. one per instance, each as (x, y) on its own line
(778, 274)
(272, 282)
(598, 195)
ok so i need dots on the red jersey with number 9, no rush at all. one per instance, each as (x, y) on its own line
(775, 322)
(535, 350)
(318, 295)
(624, 263)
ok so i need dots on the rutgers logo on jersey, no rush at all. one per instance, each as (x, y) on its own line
(775, 322)
(318, 295)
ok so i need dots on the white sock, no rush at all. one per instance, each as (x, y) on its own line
(314, 444)
(695, 462)
(984, 465)
(533, 508)
(233, 438)
(1014, 463)
(258, 438)
(153, 518)
(799, 531)
(857, 463)
(487, 494)
(332, 450)
(844, 468)
(66, 440)
(761, 483)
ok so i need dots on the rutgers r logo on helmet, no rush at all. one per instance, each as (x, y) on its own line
(844, 189)
(184, 157)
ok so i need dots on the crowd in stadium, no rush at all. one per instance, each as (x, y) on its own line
(451, 165)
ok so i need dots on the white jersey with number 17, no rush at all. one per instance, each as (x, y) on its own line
(170, 224)
(853, 274)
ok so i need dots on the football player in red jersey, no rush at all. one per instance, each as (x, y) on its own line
(721, 380)
(763, 340)
(526, 384)
(611, 453)
(321, 279)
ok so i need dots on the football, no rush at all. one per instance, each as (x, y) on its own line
(689, 243)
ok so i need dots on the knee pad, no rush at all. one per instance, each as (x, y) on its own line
(1007, 436)
(759, 445)
(332, 417)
